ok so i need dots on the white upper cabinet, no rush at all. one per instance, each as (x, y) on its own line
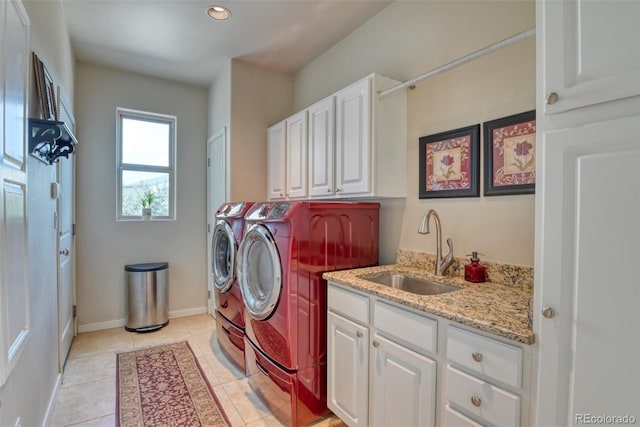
(296, 149)
(287, 158)
(591, 52)
(276, 160)
(371, 140)
(321, 148)
(587, 210)
(355, 145)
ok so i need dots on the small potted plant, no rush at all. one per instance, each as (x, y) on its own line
(147, 201)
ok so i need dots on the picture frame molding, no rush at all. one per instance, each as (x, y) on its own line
(473, 190)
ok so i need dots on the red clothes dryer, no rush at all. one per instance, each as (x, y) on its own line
(227, 235)
(286, 248)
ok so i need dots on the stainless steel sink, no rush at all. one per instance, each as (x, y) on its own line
(415, 285)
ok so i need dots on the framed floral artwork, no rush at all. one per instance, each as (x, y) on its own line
(510, 155)
(450, 164)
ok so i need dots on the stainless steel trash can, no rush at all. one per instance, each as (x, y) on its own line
(147, 296)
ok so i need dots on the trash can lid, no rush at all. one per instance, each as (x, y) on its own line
(151, 266)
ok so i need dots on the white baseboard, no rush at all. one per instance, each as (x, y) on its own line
(119, 323)
(52, 400)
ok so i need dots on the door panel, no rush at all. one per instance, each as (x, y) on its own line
(66, 246)
(216, 195)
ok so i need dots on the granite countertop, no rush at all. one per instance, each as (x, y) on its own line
(494, 308)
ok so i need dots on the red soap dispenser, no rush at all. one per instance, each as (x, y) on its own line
(474, 271)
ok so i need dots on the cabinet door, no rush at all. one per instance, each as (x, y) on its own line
(353, 139)
(276, 170)
(591, 52)
(347, 370)
(321, 146)
(403, 386)
(296, 155)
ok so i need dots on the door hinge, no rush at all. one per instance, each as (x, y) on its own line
(208, 228)
(208, 162)
(208, 294)
(55, 220)
(73, 230)
(75, 311)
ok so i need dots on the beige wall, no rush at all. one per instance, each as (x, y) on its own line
(407, 39)
(259, 98)
(247, 99)
(104, 246)
(28, 392)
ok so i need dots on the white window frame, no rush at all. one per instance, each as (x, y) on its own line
(121, 167)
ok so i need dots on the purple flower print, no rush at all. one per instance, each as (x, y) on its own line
(522, 161)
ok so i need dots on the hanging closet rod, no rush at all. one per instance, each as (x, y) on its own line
(470, 57)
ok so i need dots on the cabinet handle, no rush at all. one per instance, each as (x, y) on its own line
(551, 98)
(548, 312)
(359, 334)
(376, 344)
(476, 401)
(477, 356)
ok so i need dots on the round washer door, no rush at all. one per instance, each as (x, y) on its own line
(223, 256)
(259, 272)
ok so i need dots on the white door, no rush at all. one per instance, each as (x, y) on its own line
(403, 386)
(353, 138)
(321, 147)
(587, 290)
(296, 148)
(276, 161)
(66, 247)
(348, 370)
(14, 284)
(216, 195)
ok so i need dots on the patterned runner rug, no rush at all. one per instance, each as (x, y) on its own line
(164, 386)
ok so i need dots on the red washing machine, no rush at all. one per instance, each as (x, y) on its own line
(227, 235)
(286, 248)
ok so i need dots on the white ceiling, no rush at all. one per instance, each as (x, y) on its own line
(175, 39)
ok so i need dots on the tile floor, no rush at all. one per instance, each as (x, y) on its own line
(87, 394)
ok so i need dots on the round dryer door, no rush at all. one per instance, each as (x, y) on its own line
(259, 272)
(223, 256)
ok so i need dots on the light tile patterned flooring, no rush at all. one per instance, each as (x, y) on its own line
(87, 394)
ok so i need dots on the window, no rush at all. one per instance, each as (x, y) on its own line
(146, 162)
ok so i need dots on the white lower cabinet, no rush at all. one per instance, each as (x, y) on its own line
(389, 365)
(403, 385)
(376, 377)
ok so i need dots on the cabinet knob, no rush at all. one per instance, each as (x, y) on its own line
(476, 401)
(376, 344)
(281, 194)
(359, 334)
(477, 356)
(548, 312)
(551, 98)
(328, 190)
(64, 252)
(338, 190)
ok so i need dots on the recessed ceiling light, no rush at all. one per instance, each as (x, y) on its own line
(219, 12)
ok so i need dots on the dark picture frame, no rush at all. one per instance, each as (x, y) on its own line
(510, 155)
(450, 164)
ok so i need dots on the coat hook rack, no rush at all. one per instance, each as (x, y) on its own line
(49, 140)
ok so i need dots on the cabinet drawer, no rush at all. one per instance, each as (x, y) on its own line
(484, 355)
(453, 418)
(350, 304)
(480, 398)
(409, 327)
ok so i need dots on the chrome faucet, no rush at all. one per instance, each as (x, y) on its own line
(441, 264)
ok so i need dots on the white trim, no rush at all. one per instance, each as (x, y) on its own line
(52, 400)
(119, 323)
